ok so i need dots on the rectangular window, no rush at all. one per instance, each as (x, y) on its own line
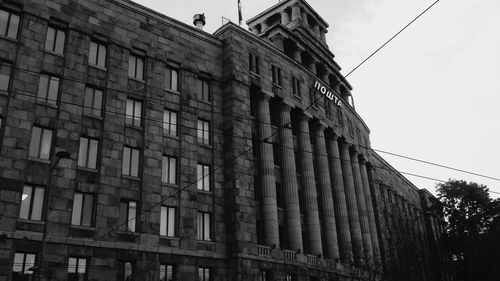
(203, 226)
(328, 109)
(83, 206)
(54, 41)
(203, 177)
(40, 144)
(128, 271)
(253, 62)
(313, 98)
(133, 113)
(5, 70)
(130, 163)
(203, 90)
(97, 54)
(204, 274)
(167, 272)
(48, 89)
(296, 87)
(92, 103)
(87, 155)
(77, 269)
(136, 67)
(203, 132)
(128, 213)
(21, 266)
(170, 122)
(172, 79)
(276, 75)
(167, 221)
(9, 24)
(264, 275)
(169, 170)
(32, 202)
(340, 117)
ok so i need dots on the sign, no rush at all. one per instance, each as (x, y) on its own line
(324, 91)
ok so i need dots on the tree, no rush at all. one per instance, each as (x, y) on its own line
(470, 213)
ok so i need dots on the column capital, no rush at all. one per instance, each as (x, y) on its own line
(362, 160)
(284, 107)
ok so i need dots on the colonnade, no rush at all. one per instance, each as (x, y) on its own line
(337, 209)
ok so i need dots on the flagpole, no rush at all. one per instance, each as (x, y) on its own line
(240, 17)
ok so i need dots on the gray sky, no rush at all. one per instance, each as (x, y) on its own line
(431, 94)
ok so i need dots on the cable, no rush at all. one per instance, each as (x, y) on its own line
(390, 39)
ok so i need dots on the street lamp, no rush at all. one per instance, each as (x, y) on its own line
(58, 156)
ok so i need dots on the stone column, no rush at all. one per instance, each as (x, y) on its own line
(352, 205)
(266, 171)
(285, 18)
(325, 192)
(370, 211)
(339, 199)
(323, 34)
(304, 18)
(296, 55)
(296, 12)
(289, 179)
(263, 26)
(309, 186)
(363, 216)
(312, 66)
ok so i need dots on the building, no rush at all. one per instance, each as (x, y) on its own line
(192, 156)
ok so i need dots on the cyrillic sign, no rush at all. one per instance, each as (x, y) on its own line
(329, 94)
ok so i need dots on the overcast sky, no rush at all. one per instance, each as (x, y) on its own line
(432, 93)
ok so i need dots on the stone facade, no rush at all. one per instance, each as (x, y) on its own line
(293, 191)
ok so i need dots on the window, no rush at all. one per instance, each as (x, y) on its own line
(167, 221)
(97, 54)
(41, 140)
(169, 170)
(21, 266)
(313, 98)
(48, 89)
(328, 109)
(340, 117)
(204, 274)
(203, 90)
(128, 213)
(264, 275)
(5, 69)
(130, 164)
(204, 226)
(203, 177)
(77, 269)
(92, 103)
(170, 122)
(133, 113)
(172, 79)
(290, 277)
(87, 156)
(253, 62)
(9, 24)
(203, 132)
(54, 41)
(276, 75)
(83, 206)
(136, 67)
(128, 271)
(296, 87)
(167, 272)
(32, 202)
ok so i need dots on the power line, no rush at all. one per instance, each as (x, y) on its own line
(390, 39)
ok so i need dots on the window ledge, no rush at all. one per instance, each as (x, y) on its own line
(166, 135)
(13, 40)
(207, 192)
(45, 103)
(166, 184)
(255, 74)
(102, 68)
(277, 85)
(127, 177)
(54, 53)
(206, 102)
(97, 117)
(139, 128)
(136, 80)
(175, 238)
(92, 228)
(40, 222)
(297, 97)
(85, 169)
(39, 160)
(201, 144)
(173, 92)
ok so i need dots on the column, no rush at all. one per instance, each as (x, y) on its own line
(289, 180)
(363, 216)
(370, 210)
(296, 12)
(296, 55)
(266, 171)
(285, 18)
(352, 205)
(309, 186)
(339, 199)
(312, 66)
(325, 193)
(304, 18)
(323, 34)
(263, 26)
